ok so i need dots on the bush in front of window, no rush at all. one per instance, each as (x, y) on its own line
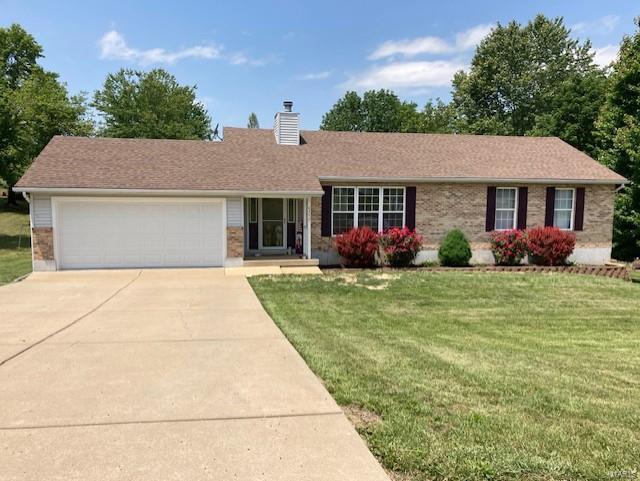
(358, 247)
(549, 246)
(509, 246)
(455, 250)
(400, 246)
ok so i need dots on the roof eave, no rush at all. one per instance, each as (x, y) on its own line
(474, 180)
(169, 192)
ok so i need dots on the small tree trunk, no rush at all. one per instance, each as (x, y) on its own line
(12, 196)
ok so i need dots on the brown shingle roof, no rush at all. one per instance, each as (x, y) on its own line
(249, 160)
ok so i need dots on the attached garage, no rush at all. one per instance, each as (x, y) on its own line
(138, 232)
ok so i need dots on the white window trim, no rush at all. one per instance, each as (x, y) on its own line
(515, 209)
(573, 207)
(380, 203)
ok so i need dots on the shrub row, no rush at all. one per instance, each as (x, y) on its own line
(360, 246)
(545, 246)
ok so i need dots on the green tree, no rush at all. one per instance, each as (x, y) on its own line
(375, 111)
(253, 121)
(34, 105)
(150, 105)
(346, 114)
(619, 143)
(515, 75)
(573, 111)
(438, 117)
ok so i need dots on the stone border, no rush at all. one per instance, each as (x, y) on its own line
(614, 271)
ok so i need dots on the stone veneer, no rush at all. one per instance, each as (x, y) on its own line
(442, 207)
(235, 242)
(42, 242)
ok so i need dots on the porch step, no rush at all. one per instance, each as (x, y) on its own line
(286, 262)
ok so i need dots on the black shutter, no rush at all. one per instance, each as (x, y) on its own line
(551, 200)
(326, 211)
(410, 208)
(578, 221)
(523, 194)
(491, 209)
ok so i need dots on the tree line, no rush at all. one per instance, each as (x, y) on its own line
(532, 80)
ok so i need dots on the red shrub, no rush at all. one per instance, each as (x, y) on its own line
(508, 246)
(400, 245)
(549, 246)
(358, 247)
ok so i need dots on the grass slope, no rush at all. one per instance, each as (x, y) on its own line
(15, 241)
(476, 376)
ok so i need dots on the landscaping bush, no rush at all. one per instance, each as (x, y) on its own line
(400, 246)
(454, 250)
(549, 246)
(509, 246)
(358, 247)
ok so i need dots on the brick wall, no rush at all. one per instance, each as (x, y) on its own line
(42, 242)
(235, 242)
(442, 207)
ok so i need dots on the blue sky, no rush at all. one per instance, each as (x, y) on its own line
(249, 56)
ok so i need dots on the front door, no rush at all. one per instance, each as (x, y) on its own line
(273, 223)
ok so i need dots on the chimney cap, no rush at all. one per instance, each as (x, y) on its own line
(288, 105)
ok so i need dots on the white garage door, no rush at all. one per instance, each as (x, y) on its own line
(99, 233)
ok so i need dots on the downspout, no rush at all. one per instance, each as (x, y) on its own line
(620, 187)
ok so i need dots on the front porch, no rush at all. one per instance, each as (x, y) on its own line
(270, 231)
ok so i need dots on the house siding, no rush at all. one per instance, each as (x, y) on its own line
(41, 208)
(234, 212)
(442, 207)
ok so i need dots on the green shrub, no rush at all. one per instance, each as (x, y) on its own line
(454, 250)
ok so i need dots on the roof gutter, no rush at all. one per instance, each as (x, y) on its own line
(472, 180)
(169, 192)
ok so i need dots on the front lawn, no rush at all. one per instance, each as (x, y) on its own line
(15, 241)
(476, 375)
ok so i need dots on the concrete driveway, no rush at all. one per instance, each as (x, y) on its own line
(160, 375)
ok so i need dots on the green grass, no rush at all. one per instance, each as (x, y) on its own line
(476, 375)
(15, 241)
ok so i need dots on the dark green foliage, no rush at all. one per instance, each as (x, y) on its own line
(619, 143)
(34, 105)
(150, 105)
(532, 79)
(253, 123)
(383, 111)
(455, 250)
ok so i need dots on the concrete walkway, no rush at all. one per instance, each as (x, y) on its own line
(160, 375)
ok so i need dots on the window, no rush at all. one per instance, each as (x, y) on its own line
(563, 209)
(343, 209)
(368, 207)
(291, 210)
(379, 208)
(393, 207)
(253, 210)
(506, 206)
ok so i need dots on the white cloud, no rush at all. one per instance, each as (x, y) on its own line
(114, 47)
(315, 75)
(407, 75)
(410, 47)
(468, 39)
(241, 58)
(604, 24)
(432, 45)
(603, 56)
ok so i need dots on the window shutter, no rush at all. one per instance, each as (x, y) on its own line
(491, 209)
(325, 230)
(551, 200)
(523, 195)
(410, 208)
(578, 221)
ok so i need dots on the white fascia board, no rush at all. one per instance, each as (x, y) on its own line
(168, 192)
(472, 180)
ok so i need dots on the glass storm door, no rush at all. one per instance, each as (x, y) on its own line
(272, 222)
